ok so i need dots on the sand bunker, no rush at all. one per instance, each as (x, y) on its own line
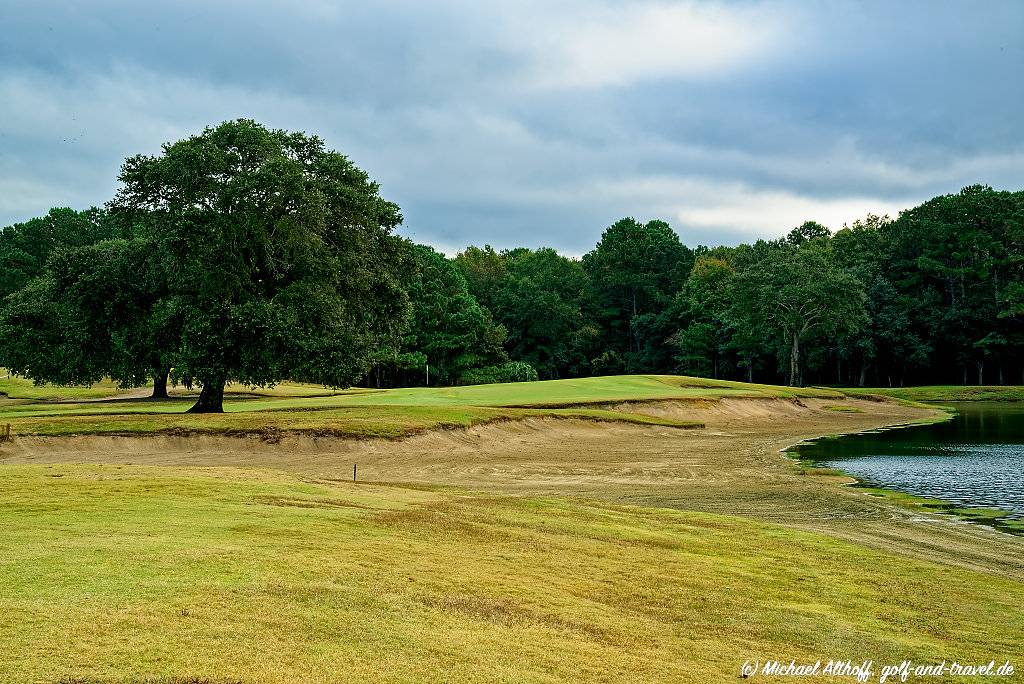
(733, 466)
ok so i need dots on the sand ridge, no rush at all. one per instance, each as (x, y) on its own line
(733, 466)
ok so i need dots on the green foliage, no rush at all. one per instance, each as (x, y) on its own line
(449, 329)
(702, 308)
(41, 336)
(279, 257)
(511, 371)
(959, 259)
(242, 254)
(485, 272)
(541, 299)
(795, 294)
(251, 255)
(635, 270)
(809, 231)
(95, 313)
(26, 247)
(42, 333)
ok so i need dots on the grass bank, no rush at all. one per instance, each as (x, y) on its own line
(393, 413)
(358, 422)
(941, 393)
(294, 407)
(128, 573)
(992, 517)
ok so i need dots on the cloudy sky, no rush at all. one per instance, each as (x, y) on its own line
(535, 122)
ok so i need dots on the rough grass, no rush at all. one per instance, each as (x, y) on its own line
(130, 573)
(841, 408)
(384, 413)
(993, 517)
(356, 422)
(305, 408)
(20, 388)
(945, 393)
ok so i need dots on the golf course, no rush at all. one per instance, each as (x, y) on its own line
(629, 528)
(588, 342)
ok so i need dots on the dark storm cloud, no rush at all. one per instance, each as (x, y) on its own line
(535, 123)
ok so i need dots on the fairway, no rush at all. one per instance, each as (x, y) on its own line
(633, 528)
(123, 573)
(656, 342)
(315, 409)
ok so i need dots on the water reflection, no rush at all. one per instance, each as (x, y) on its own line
(977, 459)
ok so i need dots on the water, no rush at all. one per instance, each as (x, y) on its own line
(975, 460)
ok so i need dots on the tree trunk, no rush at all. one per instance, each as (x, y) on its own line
(981, 372)
(159, 383)
(794, 362)
(211, 398)
(863, 374)
(750, 369)
(1002, 378)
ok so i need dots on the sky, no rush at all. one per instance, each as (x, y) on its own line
(535, 123)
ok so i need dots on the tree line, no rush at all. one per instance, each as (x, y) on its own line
(934, 296)
(250, 255)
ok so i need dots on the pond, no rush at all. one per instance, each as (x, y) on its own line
(975, 460)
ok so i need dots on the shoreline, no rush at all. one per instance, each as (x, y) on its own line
(731, 468)
(991, 518)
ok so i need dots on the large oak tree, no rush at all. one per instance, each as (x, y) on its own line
(279, 257)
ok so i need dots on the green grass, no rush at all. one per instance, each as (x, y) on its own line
(356, 422)
(554, 393)
(130, 573)
(543, 393)
(359, 412)
(551, 393)
(992, 517)
(840, 408)
(944, 393)
(385, 413)
(20, 388)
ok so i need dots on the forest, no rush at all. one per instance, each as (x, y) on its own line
(252, 255)
(934, 296)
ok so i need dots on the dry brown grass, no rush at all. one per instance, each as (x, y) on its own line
(732, 467)
(117, 573)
